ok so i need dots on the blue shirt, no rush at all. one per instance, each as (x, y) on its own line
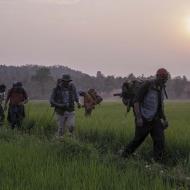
(149, 106)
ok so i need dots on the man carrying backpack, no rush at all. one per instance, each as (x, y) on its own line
(91, 99)
(16, 97)
(149, 115)
(63, 99)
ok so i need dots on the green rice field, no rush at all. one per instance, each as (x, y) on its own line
(33, 159)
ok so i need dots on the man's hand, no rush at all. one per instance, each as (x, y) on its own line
(26, 101)
(139, 121)
(23, 102)
(164, 123)
(78, 105)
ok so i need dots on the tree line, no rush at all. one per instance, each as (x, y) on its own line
(39, 81)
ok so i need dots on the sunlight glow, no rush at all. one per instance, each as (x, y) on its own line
(187, 24)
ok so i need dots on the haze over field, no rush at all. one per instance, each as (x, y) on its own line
(116, 37)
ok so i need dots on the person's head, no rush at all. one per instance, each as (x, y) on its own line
(17, 85)
(92, 91)
(66, 79)
(162, 76)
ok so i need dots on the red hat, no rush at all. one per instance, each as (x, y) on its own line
(163, 73)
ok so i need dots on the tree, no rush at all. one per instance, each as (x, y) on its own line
(43, 80)
(99, 75)
(179, 86)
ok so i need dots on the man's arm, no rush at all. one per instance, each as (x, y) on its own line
(137, 110)
(52, 98)
(163, 118)
(25, 97)
(162, 112)
(75, 94)
(76, 97)
(137, 100)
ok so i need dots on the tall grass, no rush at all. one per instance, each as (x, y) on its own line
(32, 158)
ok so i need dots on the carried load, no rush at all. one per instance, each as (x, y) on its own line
(130, 89)
(91, 99)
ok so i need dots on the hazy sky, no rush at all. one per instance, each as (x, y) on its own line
(115, 36)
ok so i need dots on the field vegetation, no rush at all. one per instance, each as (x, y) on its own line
(32, 158)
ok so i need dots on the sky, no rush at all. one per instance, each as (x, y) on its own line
(116, 37)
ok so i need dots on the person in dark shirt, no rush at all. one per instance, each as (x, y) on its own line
(63, 99)
(16, 97)
(149, 115)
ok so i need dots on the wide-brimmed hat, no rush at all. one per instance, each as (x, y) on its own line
(66, 78)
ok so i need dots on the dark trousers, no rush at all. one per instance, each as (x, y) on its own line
(88, 112)
(16, 114)
(156, 130)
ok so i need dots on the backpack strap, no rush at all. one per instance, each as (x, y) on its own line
(71, 89)
(165, 92)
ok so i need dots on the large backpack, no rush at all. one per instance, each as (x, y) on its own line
(97, 98)
(58, 95)
(93, 94)
(130, 88)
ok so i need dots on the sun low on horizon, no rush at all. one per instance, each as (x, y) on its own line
(186, 25)
(181, 33)
(115, 37)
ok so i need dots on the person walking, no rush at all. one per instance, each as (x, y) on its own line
(16, 97)
(63, 99)
(149, 115)
(90, 99)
